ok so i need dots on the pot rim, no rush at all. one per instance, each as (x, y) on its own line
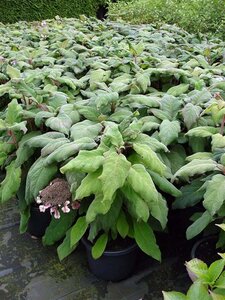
(126, 250)
(198, 243)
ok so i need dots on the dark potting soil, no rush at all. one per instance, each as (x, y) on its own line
(206, 250)
(119, 244)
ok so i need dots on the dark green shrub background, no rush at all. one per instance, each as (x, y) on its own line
(15, 10)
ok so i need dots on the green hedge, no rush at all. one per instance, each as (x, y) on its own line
(204, 16)
(29, 10)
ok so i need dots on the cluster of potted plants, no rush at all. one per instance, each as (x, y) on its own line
(97, 124)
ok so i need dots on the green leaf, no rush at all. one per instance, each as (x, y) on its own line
(38, 178)
(24, 152)
(199, 225)
(143, 80)
(67, 150)
(191, 113)
(178, 90)
(114, 174)
(122, 225)
(85, 128)
(42, 140)
(169, 131)
(140, 180)
(196, 167)
(197, 144)
(215, 194)
(199, 155)
(217, 296)
(153, 143)
(97, 76)
(198, 268)
(220, 282)
(24, 218)
(137, 100)
(171, 105)
(176, 158)
(164, 184)
(218, 141)
(145, 239)
(65, 249)
(198, 291)
(191, 195)
(85, 161)
(150, 158)
(61, 123)
(58, 228)
(78, 230)
(41, 116)
(53, 145)
(97, 208)
(202, 131)
(89, 185)
(173, 296)
(13, 73)
(215, 269)
(137, 207)
(13, 113)
(99, 246)
(10, 185)
(112, 136)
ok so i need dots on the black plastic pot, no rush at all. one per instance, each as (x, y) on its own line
(38, 221)
(205, 249)
(113, 265)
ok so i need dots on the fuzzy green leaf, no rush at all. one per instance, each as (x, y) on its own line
(149, 158)
(38, 178)
(86, 161)
(99, 246)
(199, 225)
(61, 123)
(89, 185)
(58, 228)
(164, 184)
(202, 131)
(198, 291)
(215, 194)
(85, 128)
(78, 230)
(178, 90)
(10, 185)
(145, 239)
(137, 207)
(190, 114)
(122, 225)
(114, 174)
(173, 296)
(65, 249)
(196, 167)
(169, 131)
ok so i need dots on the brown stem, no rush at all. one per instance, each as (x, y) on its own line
(222, 125)
(113, 107)
(12, 134)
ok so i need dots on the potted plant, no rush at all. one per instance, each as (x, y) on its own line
(207, 281)
(55, 199)
(118, 197)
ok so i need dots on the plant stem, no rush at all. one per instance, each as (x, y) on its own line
(222, 125)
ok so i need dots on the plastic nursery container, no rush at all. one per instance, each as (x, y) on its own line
(113, 265)
(205, 249)
(38, 221)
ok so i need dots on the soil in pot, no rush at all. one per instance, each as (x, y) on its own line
(38, 221)
(205, 249)
(116, 263)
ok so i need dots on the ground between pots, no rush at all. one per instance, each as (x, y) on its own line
(33, 272)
